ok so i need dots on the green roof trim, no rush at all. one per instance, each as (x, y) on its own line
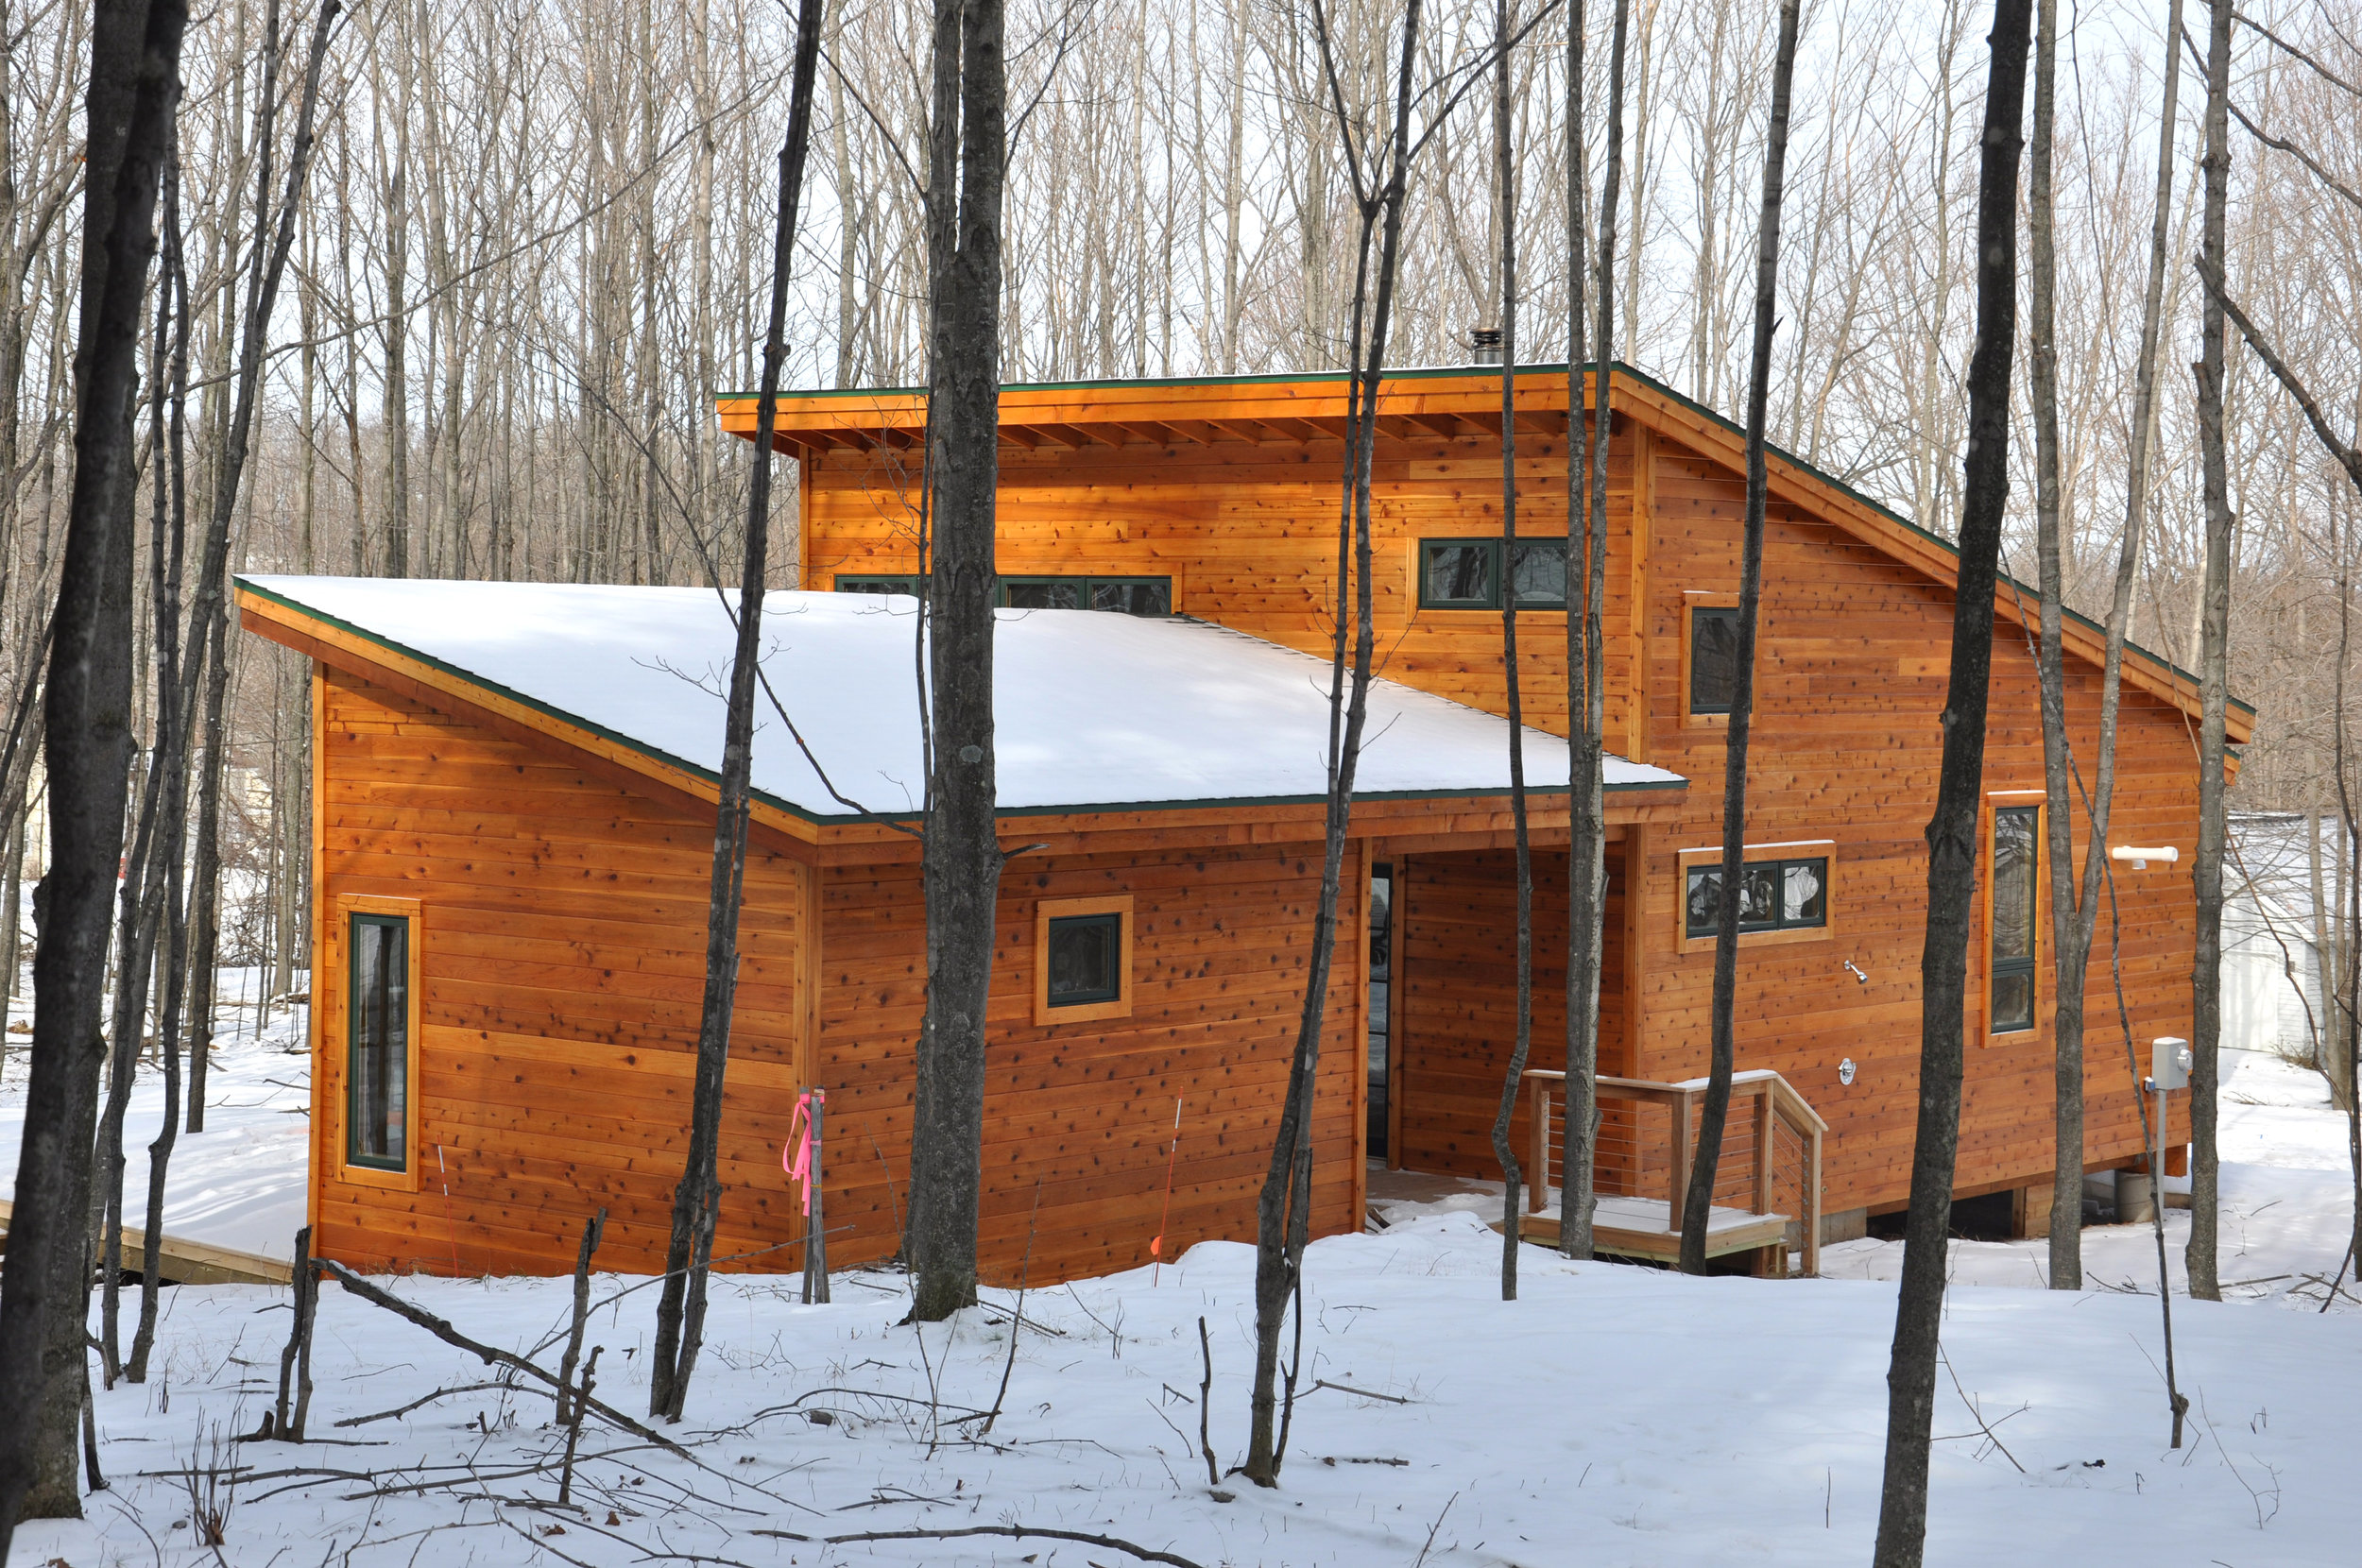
(1616, 368)
(852, 818)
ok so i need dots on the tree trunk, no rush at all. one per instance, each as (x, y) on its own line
(1697, 1203)
(697, 1201)
(962, 852)
(135, 52)
(1952, 833)
(1282, 1210)
(1587, 864)
(2075, 916)
(1505, 178)
(2214, 675)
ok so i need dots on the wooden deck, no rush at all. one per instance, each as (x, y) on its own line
(186, 1262)
(1640, 1227)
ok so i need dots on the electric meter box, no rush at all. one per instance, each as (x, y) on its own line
(2169, 1062)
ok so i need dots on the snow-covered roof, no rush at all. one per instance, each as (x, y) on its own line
(1093, 709)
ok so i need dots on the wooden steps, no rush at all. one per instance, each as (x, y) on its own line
(1639, 1227)
(186, 1262)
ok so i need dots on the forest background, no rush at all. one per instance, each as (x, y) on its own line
(536, 243)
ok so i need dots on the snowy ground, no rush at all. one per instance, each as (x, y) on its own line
(239, 1184)
(1612, 1414)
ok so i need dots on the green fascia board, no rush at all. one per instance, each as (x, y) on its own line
(851, 818)
(1616, 368)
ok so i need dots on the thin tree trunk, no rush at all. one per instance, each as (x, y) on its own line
(2075, 916)
(1697, 1203)
(1952, 833)
(1505, 179)
(1586, 852)
(1586, 868)
(1282, 1211)
(962, 852)
(697, 1201)
(135, 52)
(2213, 676)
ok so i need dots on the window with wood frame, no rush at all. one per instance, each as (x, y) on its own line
(1082, 959)
(2014, 891)
(379, 1098)
(1785, 893)
(1466, 574)
(1710, 657)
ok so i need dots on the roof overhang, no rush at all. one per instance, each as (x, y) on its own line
(1176, 414)
(1414, 820)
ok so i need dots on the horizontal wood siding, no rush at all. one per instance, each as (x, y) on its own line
(1248, 534)
(563, 966)
(1848, 745)
(1458, 990)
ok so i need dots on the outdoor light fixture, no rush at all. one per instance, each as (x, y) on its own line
(1845, 1072)
(2138, 859)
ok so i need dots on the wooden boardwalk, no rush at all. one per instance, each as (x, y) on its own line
(186, 1262)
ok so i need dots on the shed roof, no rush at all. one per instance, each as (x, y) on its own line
(1177, 413)
(1094, 710)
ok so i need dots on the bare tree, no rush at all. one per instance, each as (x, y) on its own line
(1952, 832)
(961, 856)
(697, 1200)
(1512, 585)
(1698, 1203)
(135, 51)
(2213, 676)
(2075, 912)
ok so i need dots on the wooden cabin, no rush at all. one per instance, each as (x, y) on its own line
(513, 829)
(1217, 499)
(513, 808)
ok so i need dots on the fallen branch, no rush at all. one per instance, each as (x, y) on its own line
(1146, 1554)
(422, 1400)
(490, 1355)
(1357, 1394)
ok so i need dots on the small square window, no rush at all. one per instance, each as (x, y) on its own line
(1458, 575)
(1713, 659)
(1085, 959)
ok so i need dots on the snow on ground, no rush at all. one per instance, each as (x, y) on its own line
(239, 1184)
(1613, 1415)
(2288, 1206)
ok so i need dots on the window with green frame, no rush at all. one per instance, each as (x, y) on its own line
(2015, 854)
(1773, 895)
(377, 1060)
(1122, 595)
(1465, 574)
(1086, 959)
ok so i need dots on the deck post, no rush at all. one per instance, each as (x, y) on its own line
(1538, 1114)
(1763, 1148)
(1679, 1104)
(1812, 1205)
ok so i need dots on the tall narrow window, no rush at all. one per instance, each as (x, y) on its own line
(1713, 659)
(2014, 854)
(378, 1045)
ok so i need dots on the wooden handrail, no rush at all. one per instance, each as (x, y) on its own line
(1776, 1100)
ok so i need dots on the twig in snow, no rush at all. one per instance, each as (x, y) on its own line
(1205, 1407)
(580, 1403)
(1146, 1554)
(421, 1400)
(1359, 1393)
(1978, 1416)
(591, 1231)
(1433, 1529)
(1017, 1319)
